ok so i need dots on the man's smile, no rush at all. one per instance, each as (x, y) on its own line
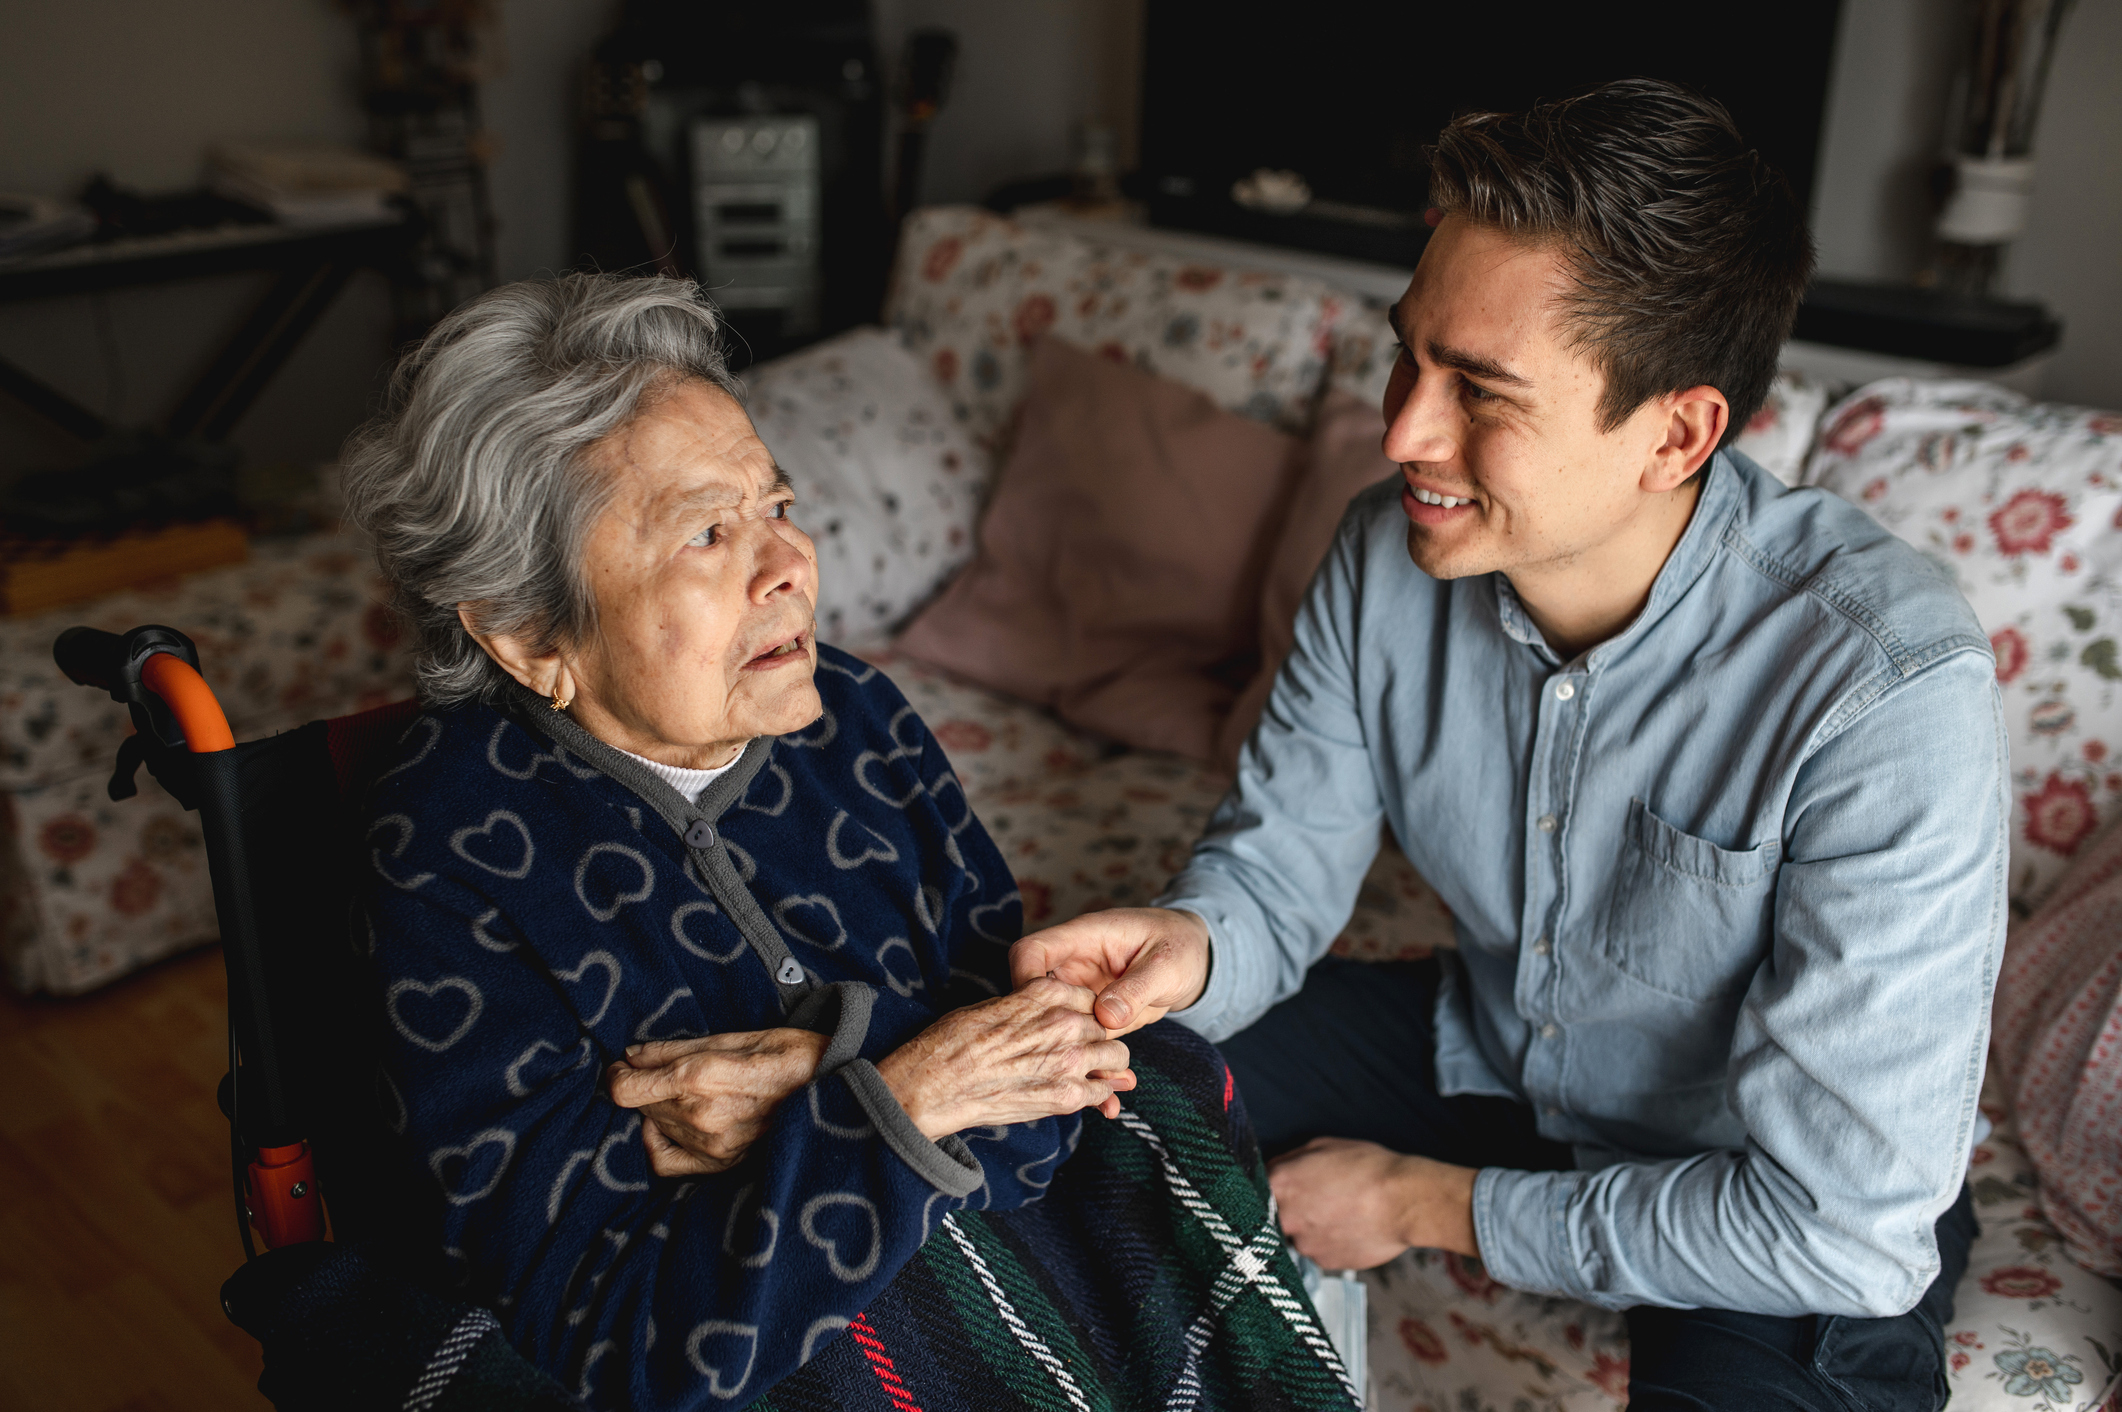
(1425, 506)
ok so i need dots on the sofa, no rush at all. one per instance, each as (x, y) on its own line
(895, 436)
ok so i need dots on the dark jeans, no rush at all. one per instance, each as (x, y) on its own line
(1351, 1055)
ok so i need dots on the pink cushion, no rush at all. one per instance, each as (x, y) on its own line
(2057, 1037)
(1119, 569)
(1343, 459)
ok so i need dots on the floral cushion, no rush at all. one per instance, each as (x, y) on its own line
(2021, 503)
(972, 291)
(888, 484)
(2031, 1331)
(91, 889)
(301, 628)
(1362, 351)
(1780, 435)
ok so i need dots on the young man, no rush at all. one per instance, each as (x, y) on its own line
(1711, 775)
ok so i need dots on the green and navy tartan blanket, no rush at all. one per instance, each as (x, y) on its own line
(1151, 1275)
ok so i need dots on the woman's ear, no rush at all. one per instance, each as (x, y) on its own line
(544, 673)
(1694, 422)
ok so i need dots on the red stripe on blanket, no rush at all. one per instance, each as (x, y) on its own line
(873, 1349)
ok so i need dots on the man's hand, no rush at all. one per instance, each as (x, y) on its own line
(1142, 962)
(1034, 1053)
(704, 1102)
(1355, 1205)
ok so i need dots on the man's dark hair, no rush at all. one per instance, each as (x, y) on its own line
(1689, 251)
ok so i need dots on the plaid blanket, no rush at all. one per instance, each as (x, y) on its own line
(1152, 1274)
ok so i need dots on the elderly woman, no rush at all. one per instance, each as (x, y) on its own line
(695, 961)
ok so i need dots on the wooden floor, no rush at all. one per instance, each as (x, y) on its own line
(115, 1216)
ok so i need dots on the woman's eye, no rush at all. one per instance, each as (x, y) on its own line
(709, 536)
(780, 509)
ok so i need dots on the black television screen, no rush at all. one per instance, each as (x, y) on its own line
(1349, 93)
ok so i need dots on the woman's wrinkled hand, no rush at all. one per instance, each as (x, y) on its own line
(704, 1102)
(1036, 1053)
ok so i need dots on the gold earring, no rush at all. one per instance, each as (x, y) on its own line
(558, 704)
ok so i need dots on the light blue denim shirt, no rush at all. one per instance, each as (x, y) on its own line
(1729, 889)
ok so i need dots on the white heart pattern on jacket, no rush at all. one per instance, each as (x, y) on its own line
(882, 852)
(513, 1076)
(470, 843)
(605, 962)
(817, 903)
(849, 1271)
(403, 826)
(721, 1385)
(701, 908)
(479, 1173)
(646, 1030)
(396, 1003)
(599, 891)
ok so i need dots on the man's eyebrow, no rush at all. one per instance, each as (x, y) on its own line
(1472, 364)
(1488, 369)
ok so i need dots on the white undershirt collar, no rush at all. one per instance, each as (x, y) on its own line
(690, 783)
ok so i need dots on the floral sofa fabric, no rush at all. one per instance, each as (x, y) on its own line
(972, 291)
(2021, 502)
(91, 889)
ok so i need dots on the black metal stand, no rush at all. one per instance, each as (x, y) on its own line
(313, 266)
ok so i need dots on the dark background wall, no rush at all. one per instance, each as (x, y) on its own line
(139, 88)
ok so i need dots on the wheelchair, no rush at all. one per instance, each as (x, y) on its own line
(357, 1320)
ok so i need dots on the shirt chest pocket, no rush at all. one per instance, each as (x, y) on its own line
(1686, 917)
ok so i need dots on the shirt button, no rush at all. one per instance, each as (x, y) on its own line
(1564, 690)
(1545, 823)
(1549, 1031)
(1542, 946)
(1552, 1111)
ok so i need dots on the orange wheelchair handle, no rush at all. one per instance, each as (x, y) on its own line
(154, 671)
(281, 1197)
(190, 700)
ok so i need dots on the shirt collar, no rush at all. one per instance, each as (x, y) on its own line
(1714, 508)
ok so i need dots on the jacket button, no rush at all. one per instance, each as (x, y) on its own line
(701, 834)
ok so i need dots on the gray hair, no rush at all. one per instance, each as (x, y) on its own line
(473, 480)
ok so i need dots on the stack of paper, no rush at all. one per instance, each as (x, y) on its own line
(29, 224)
(305, 183)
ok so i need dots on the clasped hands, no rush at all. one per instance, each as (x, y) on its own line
(1050, 1047)
(1035, 1053)
(1348, 1205)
